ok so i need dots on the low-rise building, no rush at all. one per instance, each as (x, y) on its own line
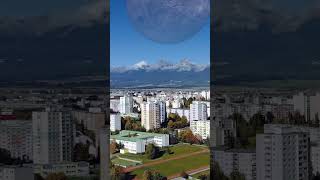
(16, 173)
(236, 160)
(135, 141)
(68, 168)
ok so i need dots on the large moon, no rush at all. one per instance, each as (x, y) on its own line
(168, 21)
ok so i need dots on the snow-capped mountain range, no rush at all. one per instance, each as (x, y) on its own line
(161, 74)
(182, 66)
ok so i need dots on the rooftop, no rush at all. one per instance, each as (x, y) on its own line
(134, 136)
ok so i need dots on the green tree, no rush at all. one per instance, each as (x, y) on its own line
(235, 175)
(81, 152)
(147, 175)
(5, 156)
(171, 124)
(184, 174)
(152, 175)
(270, 117)
(170, 105)
(114, 147)
(158, 176)
(152, 152)
(204, 177)
(168, 150)
(56, 176)
(38, 177)
(257, 122)
(116, 173)
(217, 174)
(316, 120)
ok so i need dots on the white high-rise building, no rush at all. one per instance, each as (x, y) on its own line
(126, 104)
(236, 160)
(162, 109)
(205, 94)
(53, 133)
(308, 105)
(198, 111)
(115, 121)
(201, 128)
(16, 137)
(283, 152)
(150, 115)
(115, 105)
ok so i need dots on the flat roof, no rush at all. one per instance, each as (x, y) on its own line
(134, 136)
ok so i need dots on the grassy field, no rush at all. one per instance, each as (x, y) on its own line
(124, 163)
(176, 150)
(176, 166)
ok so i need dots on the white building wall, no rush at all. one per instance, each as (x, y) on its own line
(115, 122)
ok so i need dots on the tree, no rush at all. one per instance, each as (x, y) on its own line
(168, 150)
(38, 177)
(188, 137)
(152, 152)
(184, 121)
(158, 176)
(217, 173)
(171, 124)
(184, 174)
(116, 173)
(81, 152)
(316, 176)
(152, 175)
(170, 105)
(114, 147)
(316, 120)
(257, 122)
(147, 175)
(5, 156)
(270, 117)
(128, 126)
(204, 177)
(235, 175)
(56, 176)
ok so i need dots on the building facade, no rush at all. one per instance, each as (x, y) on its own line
(53, 136)
(135, 141)
(236, 160)
(16, 137)
(201, 128)
(126, 104)
(150, 115)
(115, 121)
(283, 152)
(198, 111)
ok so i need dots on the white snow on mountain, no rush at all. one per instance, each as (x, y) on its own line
(162, 65)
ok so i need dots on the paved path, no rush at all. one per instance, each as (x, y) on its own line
(191, 172)
(140, 162)
(199, 171)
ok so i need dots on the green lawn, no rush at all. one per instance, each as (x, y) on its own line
(124, 162)
(176, 150)
(176, 166)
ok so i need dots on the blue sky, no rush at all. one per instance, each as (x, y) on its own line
(128, 47)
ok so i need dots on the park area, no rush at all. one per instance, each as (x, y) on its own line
(182, 157)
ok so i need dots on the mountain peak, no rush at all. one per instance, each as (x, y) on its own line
(162, 65)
